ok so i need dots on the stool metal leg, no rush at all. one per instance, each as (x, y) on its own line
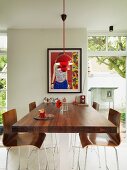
(74, 149)
(117, 161)
(56, 145)
(52, 142)
(47, 165)
(106, 166)
(29, 154)
(70, 141)
(98, 157)
(39, 166)
(78, 165)
(86, 157)
(8, 149)
(28, 157)
(53, 151)
(74, 139)
(73, 159)
(19, 158)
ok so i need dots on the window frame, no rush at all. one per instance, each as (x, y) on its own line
(4, 89)
(106, 53)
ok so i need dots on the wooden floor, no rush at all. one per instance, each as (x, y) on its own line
(63, 159)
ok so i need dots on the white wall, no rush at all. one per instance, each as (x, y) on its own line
(27, 63)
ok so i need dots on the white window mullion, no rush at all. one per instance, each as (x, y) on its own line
(106, 43)
(107, 53)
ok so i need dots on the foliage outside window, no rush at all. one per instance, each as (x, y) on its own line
(115, 43)
(3, 61)
(3, 75)
(108, 64)
(96, 43)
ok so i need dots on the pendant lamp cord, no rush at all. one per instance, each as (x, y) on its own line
(63, 6)
(64, 27)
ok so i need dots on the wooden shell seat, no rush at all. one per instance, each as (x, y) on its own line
(32, 106)
(104, 139)
(95, 106)
(12, 139)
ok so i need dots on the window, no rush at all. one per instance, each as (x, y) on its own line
(107, 56)
(3, 75)
(107, 53)
(96, 43)
(117, 43)
(106, 43)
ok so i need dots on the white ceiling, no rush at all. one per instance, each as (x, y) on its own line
(92, 14)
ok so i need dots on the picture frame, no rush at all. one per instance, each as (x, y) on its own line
(72, 76)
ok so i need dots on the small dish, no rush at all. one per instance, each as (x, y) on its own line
(47, 117)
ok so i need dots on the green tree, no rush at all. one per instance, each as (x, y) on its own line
(116, 43)
(116, 63)
(3, 61)
(96, 43)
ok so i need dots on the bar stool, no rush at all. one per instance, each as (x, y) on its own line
(13, 139)
(95, 105)
(104, 139)
(32, 106)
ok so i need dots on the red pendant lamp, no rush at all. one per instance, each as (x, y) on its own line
(63, 59)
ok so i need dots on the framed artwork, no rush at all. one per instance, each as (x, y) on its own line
(66, 79)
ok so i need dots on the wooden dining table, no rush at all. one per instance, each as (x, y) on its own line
(78, 118)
